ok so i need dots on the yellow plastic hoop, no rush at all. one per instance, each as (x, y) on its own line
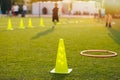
(112, 54)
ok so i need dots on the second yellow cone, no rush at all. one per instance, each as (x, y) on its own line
(9, 25)
(22, 24)
(41, 23)
(30, 23)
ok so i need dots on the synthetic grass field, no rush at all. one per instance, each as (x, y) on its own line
(30, 54)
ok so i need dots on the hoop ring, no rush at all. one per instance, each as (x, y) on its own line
(112, 54)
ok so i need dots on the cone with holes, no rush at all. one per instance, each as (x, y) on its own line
(61, 66)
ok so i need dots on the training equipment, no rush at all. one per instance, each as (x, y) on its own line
(9, 25)
(41, 22)
(112, 54)
(21, 24)
(61, 66)
(30, 23)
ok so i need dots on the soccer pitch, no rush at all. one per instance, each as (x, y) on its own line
(30, 53)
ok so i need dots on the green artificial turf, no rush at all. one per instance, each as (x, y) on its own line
(30, 54)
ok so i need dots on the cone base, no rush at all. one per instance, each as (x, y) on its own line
(30, 27)
(53, 71)
(42, 26)
(22, 28)
(10, 29)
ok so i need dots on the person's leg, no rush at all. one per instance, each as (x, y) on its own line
(106, 24)
(25, 13)
(56, 20)
(110, 25)
(53, 22)
(17, 13)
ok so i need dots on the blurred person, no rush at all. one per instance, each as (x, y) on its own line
(108, 19)
(24, 10)
(13, 13)
(103, 12)
(55, 15)
(15, 9)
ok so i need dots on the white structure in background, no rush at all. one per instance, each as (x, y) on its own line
(84, 7)
(38, 6)
(77, 6)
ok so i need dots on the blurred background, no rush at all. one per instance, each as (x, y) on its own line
(75, 7)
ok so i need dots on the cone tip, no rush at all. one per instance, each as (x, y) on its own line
(61, 39)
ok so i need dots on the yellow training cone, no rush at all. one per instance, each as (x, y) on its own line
(41, 22)
(9, 25)
(30, 23)
(21, 24)
(61, 61)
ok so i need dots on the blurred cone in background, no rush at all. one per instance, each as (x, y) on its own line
(30, 23)
(41, 22)
(9, 25)
(22, 24)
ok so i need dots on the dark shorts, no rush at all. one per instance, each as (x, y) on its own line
(16, 13)
(55, 19)
(108, 24)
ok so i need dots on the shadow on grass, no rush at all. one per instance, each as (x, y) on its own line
(43, 33)
(115, 34)
(3, 30)
(58, 76)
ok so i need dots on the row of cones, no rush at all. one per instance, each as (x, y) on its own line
(22, 24)
(61, 66)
